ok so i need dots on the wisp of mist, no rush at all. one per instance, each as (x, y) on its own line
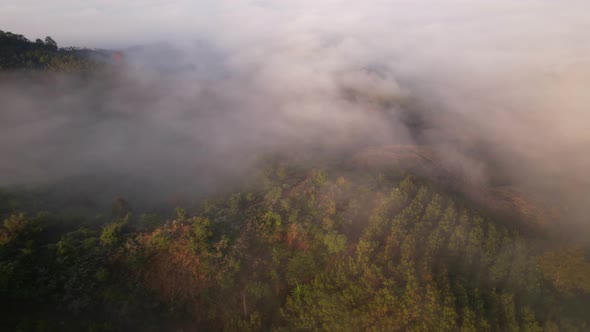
(213, 86)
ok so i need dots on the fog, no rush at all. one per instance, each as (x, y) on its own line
(233, 80)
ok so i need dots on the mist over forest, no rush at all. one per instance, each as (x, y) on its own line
(294, 166)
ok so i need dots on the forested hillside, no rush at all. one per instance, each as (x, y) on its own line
(339, 245)
(17, 52)
(312, 250)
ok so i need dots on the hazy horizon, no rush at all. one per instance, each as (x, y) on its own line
(123, 23)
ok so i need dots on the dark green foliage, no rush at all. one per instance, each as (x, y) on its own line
(324, 253)
(17, 52)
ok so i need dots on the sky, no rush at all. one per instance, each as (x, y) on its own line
(105, 23)
(98, 23)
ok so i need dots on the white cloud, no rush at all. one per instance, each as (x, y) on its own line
(517, 71)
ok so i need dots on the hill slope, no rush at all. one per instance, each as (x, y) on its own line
(313, 249)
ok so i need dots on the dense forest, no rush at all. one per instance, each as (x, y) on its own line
(19, 53)
(335, 247)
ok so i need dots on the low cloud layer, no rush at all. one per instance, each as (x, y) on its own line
(502, 79)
